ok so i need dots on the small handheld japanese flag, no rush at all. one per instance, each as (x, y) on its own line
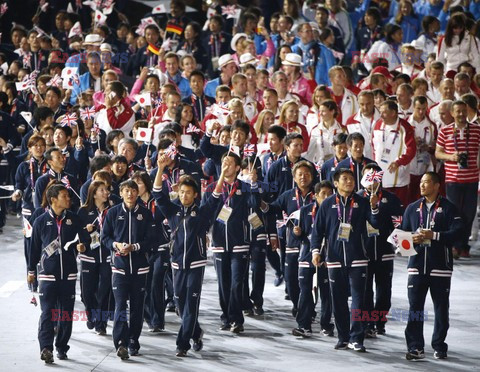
(27, 227)
(75, 30)
(27, 116)
(144, 134)
(402, 240)
(100, 18)
(144, 99)
(159, 9)
(23, 85)
(235, 150)
(67, 72)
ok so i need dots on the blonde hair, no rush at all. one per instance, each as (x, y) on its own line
(285, 106)
(259, 129)
(235, 103)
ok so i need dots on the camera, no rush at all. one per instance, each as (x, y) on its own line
(463, 160)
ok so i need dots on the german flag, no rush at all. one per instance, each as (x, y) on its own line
(153, 49)
(176, 29)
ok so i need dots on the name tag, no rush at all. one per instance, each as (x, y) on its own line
(95, 236)
(344, 232)
(372, 231)
(255, 221)
(224, 214)
(53, 247)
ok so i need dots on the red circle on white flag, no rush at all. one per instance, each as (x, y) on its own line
(142, 134)
(406, 244)
(142, 100)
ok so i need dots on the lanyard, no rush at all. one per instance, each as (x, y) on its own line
(299, 197)
(198, 115)
(314, 211)
(59, 226)
(352, 166)
(101, 217)
(41, 170)
(455, 143)
(350, 212)
(172, 179)
(396, 133)
(437, 203)
(233, 188)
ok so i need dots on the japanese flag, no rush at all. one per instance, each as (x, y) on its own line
(27, 227)
(23, 85)
(67, 72)
(160, 8)
(100, 18)
(402, 240)
(262, 148)
(144, 134)
(27, 116)
(144, 99)
(235, 150)
(75, 30)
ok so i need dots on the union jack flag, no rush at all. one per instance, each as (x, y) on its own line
(26, 59)
(69, 120)
(374, 176)
(281, 223)
(248, 150)
(229, 10)
(397, 221)
(192, 129)
(56, 81)
(318, 167)
(171, 151)
(3, 9)
(87, 113)
(96, 128)
(66, 182)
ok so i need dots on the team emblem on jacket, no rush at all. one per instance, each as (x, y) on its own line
(49, 223)
(140, 217)
(439, 210)
(68, 222)
(355, 205)
(238, 192)
(384, 200)
(193, 214)
(121, 218)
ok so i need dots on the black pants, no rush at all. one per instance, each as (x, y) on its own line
(57, 300)
(464, 196)
(187, 285)
(341, 280)
(231, 268)
(126, 330)
(381, 272)
(154, 310)
(291, 277)
(96, 285)
(418, 286)
(258, 266)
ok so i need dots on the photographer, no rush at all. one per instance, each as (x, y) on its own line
(458, 146)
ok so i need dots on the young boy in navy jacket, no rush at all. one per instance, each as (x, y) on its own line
(129, 232)
(189, 224)
(342, 222)
(52, 233)
(306, 270)
(435, 223)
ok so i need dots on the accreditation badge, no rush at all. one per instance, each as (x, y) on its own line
(344, 232)
(255, 221)
(224, 214)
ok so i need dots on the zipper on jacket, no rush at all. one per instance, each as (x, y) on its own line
(426, 248)
(344, 248)
(61, 253)
(184, 238)
(130, 238)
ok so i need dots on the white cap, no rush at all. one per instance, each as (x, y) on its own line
(235, 38)
(93, 39)
(292, 59)
(225, 60)
(247, 58)
(105, 47)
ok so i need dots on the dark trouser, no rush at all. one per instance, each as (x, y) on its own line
(154, 310)
(128, 287)
(96, 285)
(383, 272)
(187, 285)
(230, 268)
(169, 287)
(246, 301)
(341, 279)
(258, 267)
(464, 196)
(418, 286)
(305, 301)
(57, 300)
(291, 277)
(274, 260)
(306, 305)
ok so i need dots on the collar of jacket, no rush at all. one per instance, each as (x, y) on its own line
(126, 209)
